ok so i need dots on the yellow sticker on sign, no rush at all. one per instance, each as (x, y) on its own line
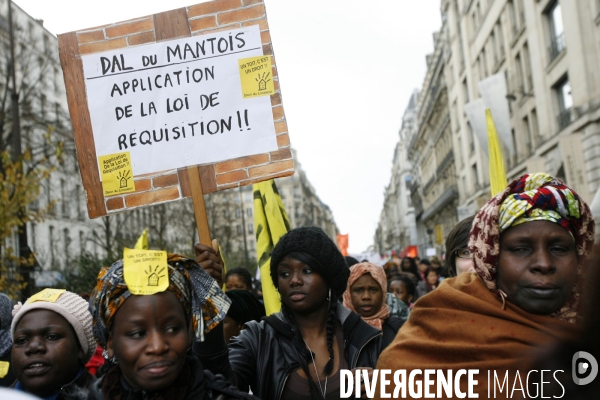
(256, 76)
(145, 271)
(4, 366)
(49, 295)
(116, 173)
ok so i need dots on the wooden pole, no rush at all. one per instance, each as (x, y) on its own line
(199, 206)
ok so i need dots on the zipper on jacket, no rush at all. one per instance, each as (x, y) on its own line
(361, 349)
(283, 386)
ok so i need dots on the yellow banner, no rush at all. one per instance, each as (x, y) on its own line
(498, 181)
(142, 242)
(271, 223)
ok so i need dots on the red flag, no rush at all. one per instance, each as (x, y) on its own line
(343, 243)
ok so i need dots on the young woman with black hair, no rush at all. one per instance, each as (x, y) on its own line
(298, 353)
(238, 279)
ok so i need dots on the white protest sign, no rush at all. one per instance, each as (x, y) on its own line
(180, 103)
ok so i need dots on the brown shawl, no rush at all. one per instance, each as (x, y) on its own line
(462, 325)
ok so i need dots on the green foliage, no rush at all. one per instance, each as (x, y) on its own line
(82, 272)
(17, 190)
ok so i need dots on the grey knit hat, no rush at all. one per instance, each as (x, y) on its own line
(71, 307)
(312, 246)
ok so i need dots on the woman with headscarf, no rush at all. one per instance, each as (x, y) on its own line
(298, 353)
(365, 295)
(7, 377)
(148, 338)
(528, 244)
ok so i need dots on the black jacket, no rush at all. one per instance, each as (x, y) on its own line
(203, 386)
(76, 390)
(266, 353)
(390, 328)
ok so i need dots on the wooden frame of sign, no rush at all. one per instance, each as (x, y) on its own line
(192, 181)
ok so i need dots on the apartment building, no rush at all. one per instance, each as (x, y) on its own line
(535, 64)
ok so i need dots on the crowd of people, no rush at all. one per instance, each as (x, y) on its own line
(509, 296)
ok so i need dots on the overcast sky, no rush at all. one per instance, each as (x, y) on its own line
(346, 68)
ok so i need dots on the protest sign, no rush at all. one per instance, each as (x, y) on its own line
(176, 104)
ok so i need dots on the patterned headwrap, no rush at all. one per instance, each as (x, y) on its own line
(199, 294)
(377, 272)
(532, 197)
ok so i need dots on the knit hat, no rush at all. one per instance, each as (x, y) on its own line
(313, 247)
(71, 307)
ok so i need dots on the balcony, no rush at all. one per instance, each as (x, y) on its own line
(565, 118)
(557, 46)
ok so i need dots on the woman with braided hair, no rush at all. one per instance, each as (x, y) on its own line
(298, 353)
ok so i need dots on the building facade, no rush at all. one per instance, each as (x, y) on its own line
(535, 65)
(396, 229)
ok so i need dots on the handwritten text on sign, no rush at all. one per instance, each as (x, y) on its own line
(178, 103)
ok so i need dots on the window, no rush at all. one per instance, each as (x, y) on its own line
(78, 202)
(494, 45)
(475, 177)
(527, 69)
(565, 103)
(527, 144)
(250, 228)
(49, 198)
(514, 139)
(56, 114)
(555, 23)
(225, 213)
(465, 88)
(43, 106)
(63, 198)
(500, 35)
(81, 242)
(66, 242)
(512, 16)
(535, 127)
(33, 228)
(51, 245)
(482, 65)
(239, 229)
(238, 213)
(249, 212)
(471, 138)
(520, 82)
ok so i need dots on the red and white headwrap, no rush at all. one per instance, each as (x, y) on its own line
(532, 197)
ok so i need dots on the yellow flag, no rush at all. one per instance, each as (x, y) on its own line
(498, 181)
(142, 242)
(271, 223)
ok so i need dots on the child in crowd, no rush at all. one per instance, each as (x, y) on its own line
(404, 289)
(52, 342)
(432, 278)
(148, 338)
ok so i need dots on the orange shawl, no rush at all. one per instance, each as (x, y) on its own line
(462, 325)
